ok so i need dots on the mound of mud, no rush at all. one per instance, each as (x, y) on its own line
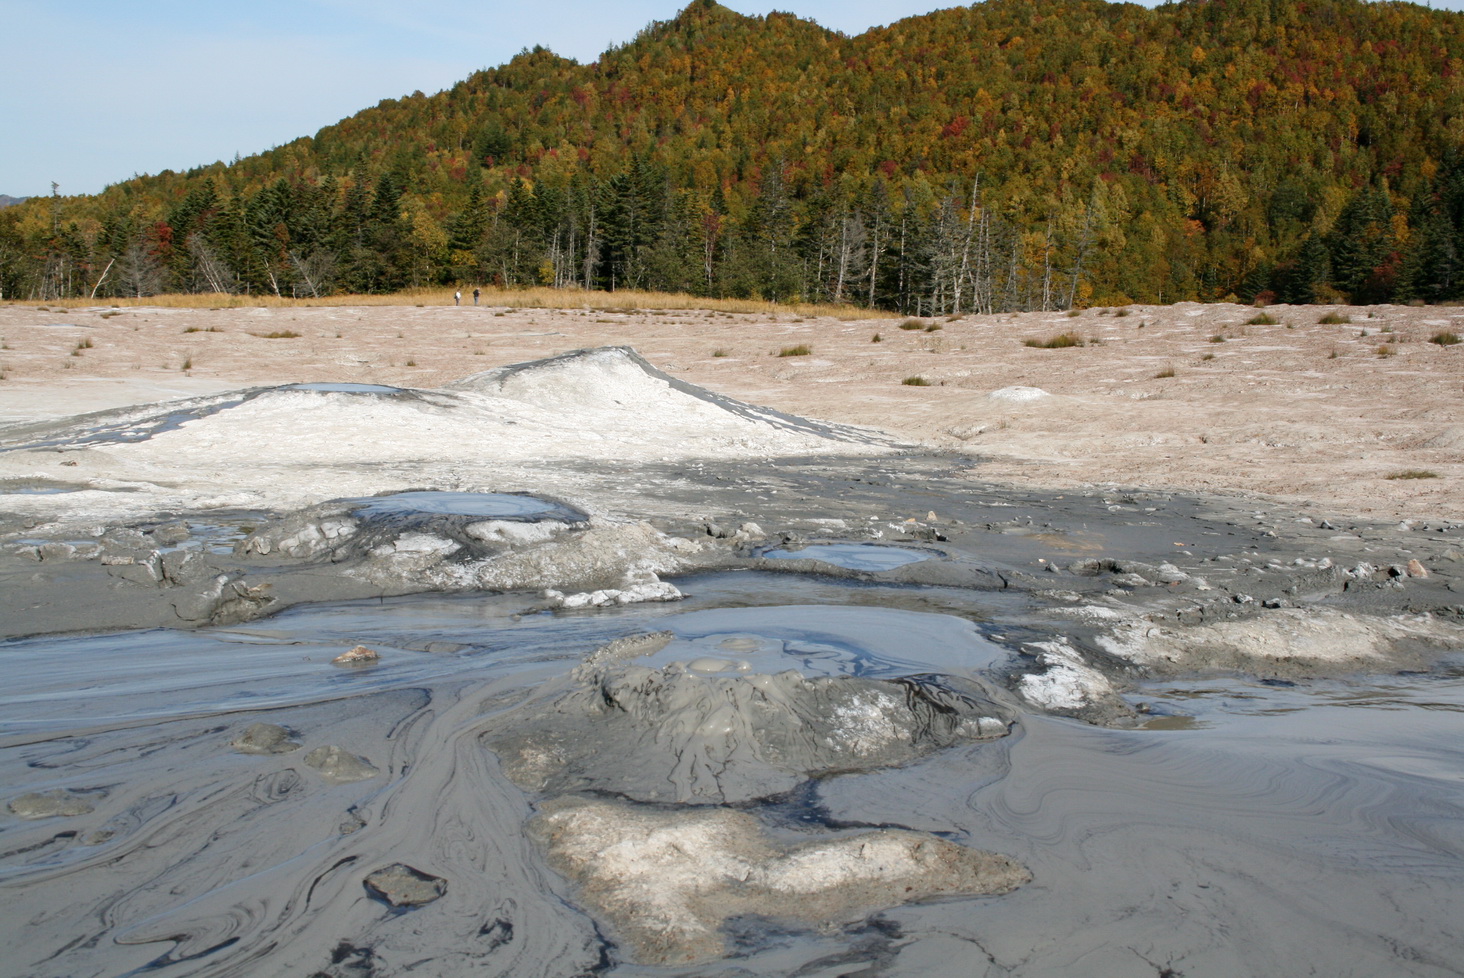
(615, 379)
(297, 444)
(714, 731)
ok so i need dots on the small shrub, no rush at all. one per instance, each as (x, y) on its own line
(1058, 342)
(1335, 319)
(1444, 339)
(1217, 338)
(913, 324)
(1208, 356)
(876, 338)
(719, 353)
(801, 350)
(85, 344)
(934, 327)
(1413, 474)
(411, 363)
(279, 334)
(1164, 374)
(187, 364)
(1333, 355)
(1074, 313)
(1262, 319)
(1123, 312)
(915, 382)
(110, 314)
(1386, 350)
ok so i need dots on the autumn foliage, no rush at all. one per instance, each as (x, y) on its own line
(1012, 154)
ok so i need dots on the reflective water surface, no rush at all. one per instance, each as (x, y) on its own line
(853, 556)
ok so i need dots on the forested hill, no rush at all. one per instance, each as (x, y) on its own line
(1012, 154)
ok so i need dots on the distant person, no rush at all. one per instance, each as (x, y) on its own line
(476, 293)
(457, 297)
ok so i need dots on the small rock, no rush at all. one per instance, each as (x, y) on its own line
(751, 531)
(340, 766)
(1416, 569)
(49, 804)
(402, 886)
(1242, 599)
(358, 656)
(265, 738)
(171, 533)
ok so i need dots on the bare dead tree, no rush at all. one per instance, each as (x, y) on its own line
(209, 269)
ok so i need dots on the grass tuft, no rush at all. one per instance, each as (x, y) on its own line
(719, 353)
(1262, 319)
(1413, 474)
(1058, 342)
(801, 350)
(1444, 339)
(913, 324)
(1164, 374)
(915, 382)
(934, 327)
(279, 334)
(1335, 319)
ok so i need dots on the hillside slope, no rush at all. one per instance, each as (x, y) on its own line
(1010, 155)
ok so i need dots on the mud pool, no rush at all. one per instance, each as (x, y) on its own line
(589, 671)
(1246, 827)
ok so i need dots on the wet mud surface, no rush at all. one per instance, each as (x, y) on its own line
(812, 715)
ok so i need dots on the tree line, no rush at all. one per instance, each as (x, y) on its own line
(1017, 154)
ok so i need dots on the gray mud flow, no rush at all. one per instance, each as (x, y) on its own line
(1246, 828)
(588, 671)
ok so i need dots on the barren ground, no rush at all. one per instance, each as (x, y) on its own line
(1300, 411)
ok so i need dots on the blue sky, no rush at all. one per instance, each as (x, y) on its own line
(95, 91)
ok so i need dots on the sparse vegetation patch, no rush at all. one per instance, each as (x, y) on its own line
(1058, 342)
(915, 382)
(1414, 474)
(801, 350)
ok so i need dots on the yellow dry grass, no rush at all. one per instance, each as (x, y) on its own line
(536, 298)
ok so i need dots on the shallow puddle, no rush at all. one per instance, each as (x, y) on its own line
(488, 505)
(853, 556)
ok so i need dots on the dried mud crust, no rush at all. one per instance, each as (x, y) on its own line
(1302, 409)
